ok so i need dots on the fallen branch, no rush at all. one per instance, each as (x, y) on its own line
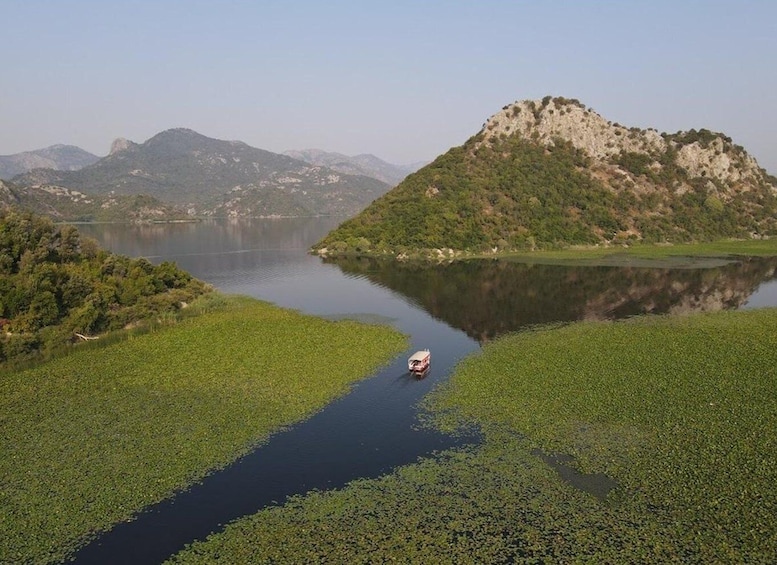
(86, 337)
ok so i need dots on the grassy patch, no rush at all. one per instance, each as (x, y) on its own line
(694, 255)
(89, 439)
(681, 412)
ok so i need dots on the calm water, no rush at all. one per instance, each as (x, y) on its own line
(449, 309)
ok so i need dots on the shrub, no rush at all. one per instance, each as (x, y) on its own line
(714, 204)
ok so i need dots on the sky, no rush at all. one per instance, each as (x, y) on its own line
(404, 80)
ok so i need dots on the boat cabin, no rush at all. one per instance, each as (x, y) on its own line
(419, 361)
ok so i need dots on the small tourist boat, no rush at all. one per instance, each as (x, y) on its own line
(419, 362)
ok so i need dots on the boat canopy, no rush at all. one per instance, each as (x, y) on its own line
(419, 356)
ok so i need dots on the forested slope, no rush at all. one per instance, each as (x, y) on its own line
(55, 284)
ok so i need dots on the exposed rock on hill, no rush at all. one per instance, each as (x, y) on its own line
(60, 157)
(699, 153)
(8, 196)
(121, 144)
(553, 173)
(214, 177)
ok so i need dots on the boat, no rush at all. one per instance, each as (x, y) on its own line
(418, 363)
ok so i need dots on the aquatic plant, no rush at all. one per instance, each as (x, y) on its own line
(679, 411)
(89, 439)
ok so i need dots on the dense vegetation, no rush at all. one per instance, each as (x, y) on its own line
(55, 284)
(511, 193)
(476, 199)
(679, 411)
(89, 439)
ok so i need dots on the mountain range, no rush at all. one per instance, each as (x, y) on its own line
(202, 177)
(60, 157)
(553, 173)
(364, 164)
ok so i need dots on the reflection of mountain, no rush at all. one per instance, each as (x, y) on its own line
(490, 298)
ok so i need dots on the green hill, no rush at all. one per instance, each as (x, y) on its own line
(54, 285)
(553, 173)
(65, 204)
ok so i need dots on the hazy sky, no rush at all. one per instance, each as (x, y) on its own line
(404, 80)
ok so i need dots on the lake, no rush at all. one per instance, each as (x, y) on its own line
(449, 309)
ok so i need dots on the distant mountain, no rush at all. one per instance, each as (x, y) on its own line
(365, 164)
(59, 157)
(553, 173)
(214, 177)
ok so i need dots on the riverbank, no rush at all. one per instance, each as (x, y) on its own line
(691, 254)
(91, 438)
(651, 255)
(678, 411)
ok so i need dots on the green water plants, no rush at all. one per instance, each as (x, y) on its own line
(679, 411)
(89, 439)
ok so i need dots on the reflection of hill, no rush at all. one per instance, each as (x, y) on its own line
(216, 237)
(489, 298)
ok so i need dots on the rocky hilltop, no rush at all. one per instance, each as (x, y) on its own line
(700, 154)
(554, 173)
(211, 177)
(59, 157)
(121, 144)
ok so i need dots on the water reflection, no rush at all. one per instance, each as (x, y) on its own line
(489, 298)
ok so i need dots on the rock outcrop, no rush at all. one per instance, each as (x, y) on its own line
(121, 144)
(700, 154)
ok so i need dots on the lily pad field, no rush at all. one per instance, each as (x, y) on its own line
(89, 439)
(679, 414)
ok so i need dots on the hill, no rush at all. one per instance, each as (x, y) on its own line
(64, 204)
(365, 164)
(59, 157)
(554, 173)
(210, 177)
(55, 285)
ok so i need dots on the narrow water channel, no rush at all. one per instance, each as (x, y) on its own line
(366, 433)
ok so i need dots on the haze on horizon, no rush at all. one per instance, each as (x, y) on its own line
(404, 80)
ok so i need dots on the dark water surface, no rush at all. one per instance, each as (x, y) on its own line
(448, 309)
